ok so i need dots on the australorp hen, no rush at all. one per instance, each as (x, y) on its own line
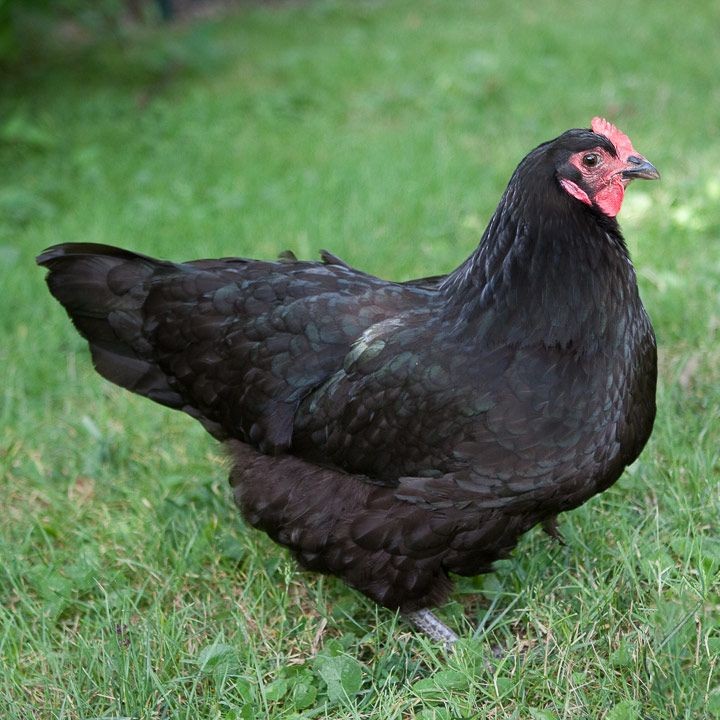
(393, 433)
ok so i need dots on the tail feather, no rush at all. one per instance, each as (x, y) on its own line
(103, 289)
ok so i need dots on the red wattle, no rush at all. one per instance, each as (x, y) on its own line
(610, 198)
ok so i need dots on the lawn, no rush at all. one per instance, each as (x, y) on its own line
(385, 132)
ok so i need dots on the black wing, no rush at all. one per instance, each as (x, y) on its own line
(235, 343)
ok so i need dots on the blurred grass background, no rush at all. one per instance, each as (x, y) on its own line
(386, 133)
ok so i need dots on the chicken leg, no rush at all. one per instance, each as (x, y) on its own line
(435, 629)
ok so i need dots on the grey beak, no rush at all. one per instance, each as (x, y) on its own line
(639, 167)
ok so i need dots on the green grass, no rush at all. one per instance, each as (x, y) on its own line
(129, 587)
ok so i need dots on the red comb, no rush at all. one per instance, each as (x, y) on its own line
(619, 139)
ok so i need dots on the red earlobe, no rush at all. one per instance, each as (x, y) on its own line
(574, 190)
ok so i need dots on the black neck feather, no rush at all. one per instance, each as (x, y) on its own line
(548, 270)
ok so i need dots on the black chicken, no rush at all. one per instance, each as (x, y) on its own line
(393, 433)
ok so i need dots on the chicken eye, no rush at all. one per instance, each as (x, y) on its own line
(591, 160)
